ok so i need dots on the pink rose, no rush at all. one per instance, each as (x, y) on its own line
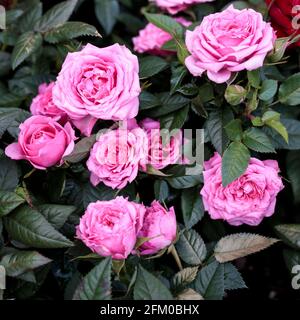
(159, 226)
(98, 83)
(43, 104)
(174, 6)
(43, 142)
(248, 199)
(161, 155)
(116, 156)
(109, 228)
(151, 39)
(229, 41)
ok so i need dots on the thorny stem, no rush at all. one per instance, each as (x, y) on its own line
(176, 256)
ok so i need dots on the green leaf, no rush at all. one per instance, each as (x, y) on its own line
(70, 30)
(148, 101)
(5, 63)
(232, 278)
(9, 115)
(148, 287)
(97, 283)
(268, 89)
(161, 190)
(56, 16)
(257, 140)
(240, 245)
(8, 202)
(191, 207)
(210, 281)
(191, 248)
(9, 175)
(30, 17)
(81, 149)
(166, 23)
(185, 182)
(30, 227)
(184, 277)
(107, 12)
(293, 129)
(289, 91)
(235, 162)
(254, 78)
(92, 194)
(215, 124)
(235, 94)
(168, 104)
(289, 233)
(293, 172)
(174, 120)
(279, 127)
(151, 65)
(56, 214)
(18, 262)
(26, 44)
(234, 130)
(178, 74)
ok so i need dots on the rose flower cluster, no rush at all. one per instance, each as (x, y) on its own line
(103, 84)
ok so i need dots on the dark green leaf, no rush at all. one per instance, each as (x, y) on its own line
(56, 214)
(254, 78)
(174, 120)
(148, 287)
(290, 233)
(235, 162)
(185, 182)
(107, 12)
(9, 174)
(81, 150)
(18, 262)
(268, 89)
(191, 247)
(234, 130)
(232, 278)
(56, 16)
(293, 172)
(30, 17)
(210, 281)
(257, 140)
(5, 63)
(289, 91)
(215, 126)
(8, 202)
(97, 283)
(26, 44)
(70, 30)
(191, 207)
(30, 227)
(148, 100)
(151, 65)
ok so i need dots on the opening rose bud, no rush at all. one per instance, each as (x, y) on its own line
(159, 227)
(43, 142)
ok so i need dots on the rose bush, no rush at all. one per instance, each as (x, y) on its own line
(147, 148)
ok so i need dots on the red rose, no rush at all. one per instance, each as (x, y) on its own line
(285, 17)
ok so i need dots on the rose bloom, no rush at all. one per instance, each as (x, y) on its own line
(43, 142)
(159, 226)
(43, 104)
(161, 155)
(98, 83)
(117, 155)
(109, 228)
(151, 39)
(229, 41)
(174, 6)
(248, 199)
(282, 15)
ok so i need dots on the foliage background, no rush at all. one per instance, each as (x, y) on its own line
(265, 273)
